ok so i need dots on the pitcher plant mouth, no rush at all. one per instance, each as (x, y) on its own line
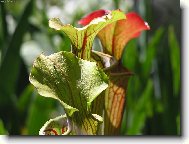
(110, 64)
(105, 61)
(119, 70)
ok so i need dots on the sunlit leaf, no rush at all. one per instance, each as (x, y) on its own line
(74, 82)
(82, 38)
(116, 35)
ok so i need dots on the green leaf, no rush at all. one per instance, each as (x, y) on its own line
(82, 38)
(25, 99)
(74, 82)
(3, 131)
(152, 51)
(130, 55)
(142, 109)
(11, 60)
(3, 28)
(9, 70)
(175, 60)
(39, 112)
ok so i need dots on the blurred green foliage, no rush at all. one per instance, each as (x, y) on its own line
(154, 92)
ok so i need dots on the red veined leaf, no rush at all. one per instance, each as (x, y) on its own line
(115, 99)
(82, 38)
(57, 126)
(112, 101)
(51, 132)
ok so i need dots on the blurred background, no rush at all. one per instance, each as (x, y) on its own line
(153, 100)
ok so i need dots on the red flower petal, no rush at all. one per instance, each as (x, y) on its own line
(87, 19)
(115, 36)
(136, 24)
